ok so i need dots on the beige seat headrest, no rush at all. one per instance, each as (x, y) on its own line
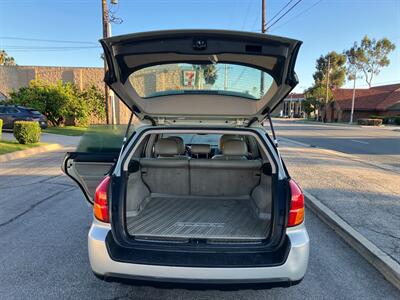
(179, 141)
(234, 148)
(166, 147)
(227, 137)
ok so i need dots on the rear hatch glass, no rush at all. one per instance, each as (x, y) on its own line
(213, 78)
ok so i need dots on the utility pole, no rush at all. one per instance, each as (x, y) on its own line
(327, 85)
(263, 22)
(263, 30)
(105, 35)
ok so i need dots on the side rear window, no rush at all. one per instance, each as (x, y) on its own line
(35, 112)
(10, 110)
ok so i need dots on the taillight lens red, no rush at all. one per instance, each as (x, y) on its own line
(296, 213)
(100, 206)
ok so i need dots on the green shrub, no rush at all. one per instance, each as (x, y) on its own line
(27, 132)
(1, 127)
(94, 99)
(370, 122)
(61, 102)
(385, 120)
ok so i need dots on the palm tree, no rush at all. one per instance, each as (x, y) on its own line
(6, 60)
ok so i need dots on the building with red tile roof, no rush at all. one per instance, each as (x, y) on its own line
(379, 100)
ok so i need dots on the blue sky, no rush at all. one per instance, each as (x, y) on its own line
(322, 25)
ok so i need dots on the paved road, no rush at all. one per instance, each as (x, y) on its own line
(377, 144)
(43, 252)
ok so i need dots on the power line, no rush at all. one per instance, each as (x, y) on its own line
(277, 14)
(50, 50)
(293, 6)
(247, 14)
(300, 13)
(45, 40)
(16, 47)
(255, 22)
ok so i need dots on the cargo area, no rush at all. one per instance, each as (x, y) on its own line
(191, 191)
(202, 218)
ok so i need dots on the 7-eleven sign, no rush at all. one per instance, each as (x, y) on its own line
(189, 78)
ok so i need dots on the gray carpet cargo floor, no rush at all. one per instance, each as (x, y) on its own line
(210, 218)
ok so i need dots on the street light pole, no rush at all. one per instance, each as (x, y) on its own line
(353, 98)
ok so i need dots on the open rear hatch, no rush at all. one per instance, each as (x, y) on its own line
(201, 74)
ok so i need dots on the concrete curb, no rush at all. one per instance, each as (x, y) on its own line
(387, 266)
(346, 125)
(29, 152)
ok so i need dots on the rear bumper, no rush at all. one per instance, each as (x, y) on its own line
(292, 270)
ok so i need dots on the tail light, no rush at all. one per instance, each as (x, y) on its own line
(296, 213)
(100, 207)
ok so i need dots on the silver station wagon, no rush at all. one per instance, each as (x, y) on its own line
(197, 193)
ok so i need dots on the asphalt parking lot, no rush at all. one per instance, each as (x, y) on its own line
(44, 221)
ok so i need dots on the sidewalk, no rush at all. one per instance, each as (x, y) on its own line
(344, 125)
(366, 197)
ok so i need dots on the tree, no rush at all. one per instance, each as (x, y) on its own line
(50, 99)
(371, 56)
(61, 102)
(6, 60)
(334, 64)
(311, 105)
(209, 73)
(95, 102)
(330, 74)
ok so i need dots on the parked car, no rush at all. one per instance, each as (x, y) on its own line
(11, 113)
(198, 193)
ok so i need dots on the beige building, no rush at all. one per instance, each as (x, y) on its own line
(15, 77)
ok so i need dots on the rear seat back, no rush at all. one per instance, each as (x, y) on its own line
(169, 172)
(166, 176)
(223, 177)
(172, 174)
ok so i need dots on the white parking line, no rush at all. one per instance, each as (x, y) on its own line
(361, 142)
